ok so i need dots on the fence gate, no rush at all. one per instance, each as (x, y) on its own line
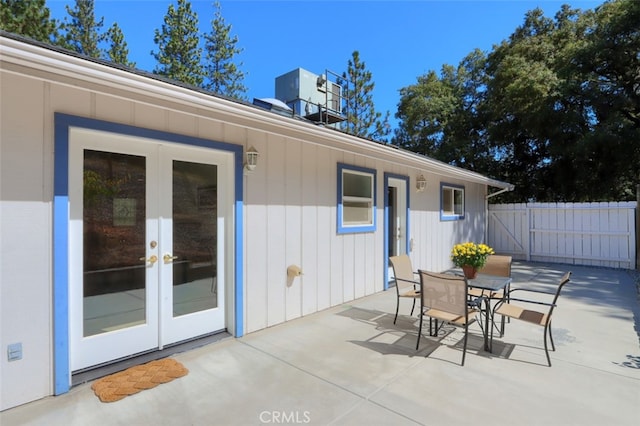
(595, 234)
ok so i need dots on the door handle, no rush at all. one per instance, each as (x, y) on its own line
(168, 258)
(152, 259)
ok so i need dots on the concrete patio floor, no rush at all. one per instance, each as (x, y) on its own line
(350, 365)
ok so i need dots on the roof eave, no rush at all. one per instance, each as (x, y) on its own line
(50, 59)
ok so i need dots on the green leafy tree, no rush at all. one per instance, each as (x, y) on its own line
(607, 63)
(555, 109)
(81, 32)
(610, 59)
(362, 118)
(222, 74)
(118, 52)
(439, 114)
(179, 54)
(561, 104)
(521, 92)
(424, 109)
(30, 18)
(466, 139)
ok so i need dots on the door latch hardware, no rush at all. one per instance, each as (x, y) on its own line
(152, 259)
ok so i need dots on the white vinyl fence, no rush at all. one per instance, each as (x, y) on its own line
(596, 234)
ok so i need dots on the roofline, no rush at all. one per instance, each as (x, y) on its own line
(51, 59)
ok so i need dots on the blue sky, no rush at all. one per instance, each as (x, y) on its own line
(397, 40)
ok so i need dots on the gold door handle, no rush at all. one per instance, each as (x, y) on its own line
(168, 258)
(152, 259)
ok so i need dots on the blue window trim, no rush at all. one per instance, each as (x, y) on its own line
(61, 354)
(353, 229)
(452, 217)
(385, 264)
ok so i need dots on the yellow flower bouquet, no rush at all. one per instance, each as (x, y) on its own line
(470, 254)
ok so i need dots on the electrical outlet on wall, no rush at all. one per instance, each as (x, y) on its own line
(14, 352)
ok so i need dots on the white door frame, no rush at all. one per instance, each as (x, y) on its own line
(63, 123)
(400, 221)
(160, 327)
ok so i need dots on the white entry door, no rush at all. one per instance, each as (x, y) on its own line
(397, 216)
(147, 244)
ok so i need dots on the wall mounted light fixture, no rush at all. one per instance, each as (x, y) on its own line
(421, 183)
(252, 159)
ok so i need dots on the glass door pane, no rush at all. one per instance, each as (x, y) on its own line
(114, 223)
(195, 237)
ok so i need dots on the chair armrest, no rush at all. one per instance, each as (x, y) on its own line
(532, 301)
(416, 284)
(407, 281)
(531, 290)
(505, 301)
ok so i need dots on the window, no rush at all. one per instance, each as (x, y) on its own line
(451, 202)
(356, 199)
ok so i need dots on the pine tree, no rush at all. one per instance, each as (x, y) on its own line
(118, 51)
(29, 18)
(179, 53)
(82, 32)
(362, 118)
(223, 75)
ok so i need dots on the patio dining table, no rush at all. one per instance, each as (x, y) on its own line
(491, 284)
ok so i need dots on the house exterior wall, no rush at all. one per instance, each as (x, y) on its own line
(290, 219)
(25, 241)
(289, 212)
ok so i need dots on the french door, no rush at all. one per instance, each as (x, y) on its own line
(147, 244)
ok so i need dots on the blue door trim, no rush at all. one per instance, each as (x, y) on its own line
(61, 356)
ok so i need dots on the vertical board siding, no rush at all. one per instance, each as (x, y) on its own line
(594, 234)
(256, 301)
(348, 266)
(311, 206)
(114, 109)
(336, 245)
(325, 200)
(294, 246)
(25, 223)
(434, 238)
(291, 207)
(276, 225)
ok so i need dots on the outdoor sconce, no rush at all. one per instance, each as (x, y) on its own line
(252, 159)
(421, 183)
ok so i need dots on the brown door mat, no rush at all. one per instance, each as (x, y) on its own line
(135, 379)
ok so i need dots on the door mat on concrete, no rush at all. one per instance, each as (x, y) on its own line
(135, 379)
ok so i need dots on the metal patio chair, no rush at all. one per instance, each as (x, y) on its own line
(499, 266)
(407, 281)
(445, 298)
(540, 317)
